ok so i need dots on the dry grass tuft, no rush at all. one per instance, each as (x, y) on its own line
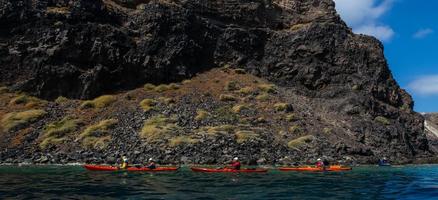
(382, 120)
(231, 86)
(227, 97)
(263, 97)
(201, 115)
(15, 119)
(56, 132)
(28, 101)
(295, 129)
(280, 107)
(240, 71)
(296, 143)
(99, 102)
(4, 90)
(291, 118)
(158, 127)
(58, 10)
(246, 91)
(166, 100)
(61, 100)
(97, 136)
(269, 88)
(148, 104)
(149, 87)
(244, 136)
(182, 140)
(239, 108)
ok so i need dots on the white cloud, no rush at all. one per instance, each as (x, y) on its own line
(422, 33)
(364, 15)
(426, 85)
(384, 33)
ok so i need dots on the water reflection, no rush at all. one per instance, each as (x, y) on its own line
(413, 182)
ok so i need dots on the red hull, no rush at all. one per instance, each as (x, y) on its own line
(210, 170)
(315, 169)
(143, 169)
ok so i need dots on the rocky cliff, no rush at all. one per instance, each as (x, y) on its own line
(431, 127)
(268, 80)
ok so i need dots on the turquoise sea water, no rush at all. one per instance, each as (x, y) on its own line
(74, 182)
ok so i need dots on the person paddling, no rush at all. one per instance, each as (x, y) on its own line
(124, 163)
(319, 163)
(151, 164)
(235, 164)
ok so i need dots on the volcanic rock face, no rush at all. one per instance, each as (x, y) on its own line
(83, 49)
(431, 127)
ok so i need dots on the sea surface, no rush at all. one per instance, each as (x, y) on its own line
(74, 182)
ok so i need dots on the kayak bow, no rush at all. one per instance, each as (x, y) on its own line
(334, 168)
(144, 169)
(210, 170)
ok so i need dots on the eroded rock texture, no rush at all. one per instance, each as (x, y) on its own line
(86, 48)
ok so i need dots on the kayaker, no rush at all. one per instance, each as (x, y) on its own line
(319, 163)
(235, 164)
(326, 163)
(151, 164)
(124, 162)
(384, 162)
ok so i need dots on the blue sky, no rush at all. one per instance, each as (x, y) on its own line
(409, 31)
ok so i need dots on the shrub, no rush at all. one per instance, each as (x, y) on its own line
(283, 107)
(148, 104)
(269, 88)
(201, 115)
(99, 102)
(97, 135)
(61, 100)
(14, 119)
(382, 120)
(158, 127)
(300, 141)
(263, 97)
(55, 132)
(295, 129)
(243, 136)
(181, 140)
(227, 97)
(238, 108)
(231, 86)
(246, 91)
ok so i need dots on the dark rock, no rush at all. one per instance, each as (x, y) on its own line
(83, 49)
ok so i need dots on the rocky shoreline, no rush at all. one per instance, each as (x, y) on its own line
(185, 81)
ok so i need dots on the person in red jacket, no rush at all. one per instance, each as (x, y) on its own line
(319, 163)
(235, 164)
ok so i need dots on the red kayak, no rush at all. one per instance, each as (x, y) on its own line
(334, 168)
(209, 170)
(143, 169)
